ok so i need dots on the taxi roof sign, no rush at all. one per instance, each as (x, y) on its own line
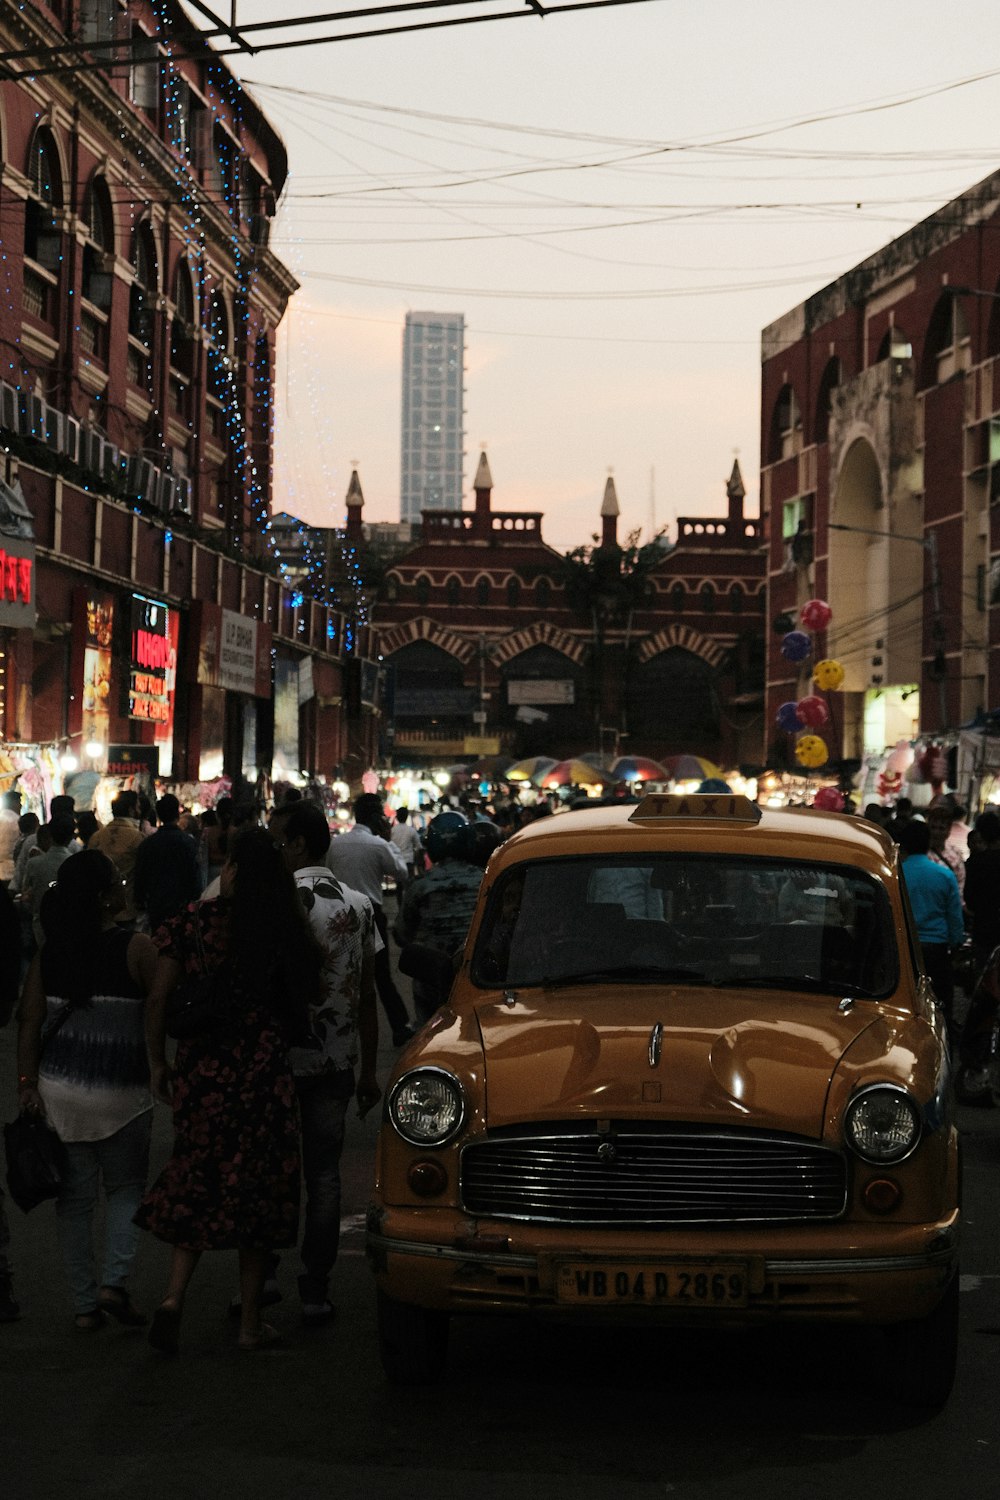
(718, 807)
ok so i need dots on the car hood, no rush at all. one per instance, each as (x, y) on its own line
(552, 1056)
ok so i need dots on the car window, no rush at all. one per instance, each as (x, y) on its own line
(714, 920)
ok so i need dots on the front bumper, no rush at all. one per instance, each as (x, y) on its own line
(847, 1272)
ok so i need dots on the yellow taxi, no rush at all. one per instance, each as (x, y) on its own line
(690, 1070)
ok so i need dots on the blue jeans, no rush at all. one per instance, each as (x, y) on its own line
(323, 1106)
(122, 1160)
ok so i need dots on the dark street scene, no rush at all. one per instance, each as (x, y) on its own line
(499, 750)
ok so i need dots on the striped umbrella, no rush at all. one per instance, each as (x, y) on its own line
(639, 768)
(690, 767)
(531, 770)
(575, 772)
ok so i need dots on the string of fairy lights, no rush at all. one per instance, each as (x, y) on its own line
(224, 99)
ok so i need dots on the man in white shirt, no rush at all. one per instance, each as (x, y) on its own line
(346, 1030)
(361, 859)
(407, 840)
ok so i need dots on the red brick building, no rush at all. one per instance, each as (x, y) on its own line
(138, 308)
(880, 435)
(494, 642)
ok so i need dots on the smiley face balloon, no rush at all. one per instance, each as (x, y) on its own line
(811, 751)
(828, 675)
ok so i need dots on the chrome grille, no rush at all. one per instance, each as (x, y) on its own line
(641, 1175)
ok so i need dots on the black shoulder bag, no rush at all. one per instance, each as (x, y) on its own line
(36, 1157)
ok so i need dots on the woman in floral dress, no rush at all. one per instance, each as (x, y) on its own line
(232, 1181)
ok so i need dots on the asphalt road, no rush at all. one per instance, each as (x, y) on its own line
(525, 1411)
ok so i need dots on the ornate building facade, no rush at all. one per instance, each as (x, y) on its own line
(139, 302)
(494, 642)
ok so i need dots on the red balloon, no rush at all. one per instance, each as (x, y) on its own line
(816, 615)
(828, 799)
(812, 712)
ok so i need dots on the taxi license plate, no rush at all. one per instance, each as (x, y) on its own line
(679, 1285)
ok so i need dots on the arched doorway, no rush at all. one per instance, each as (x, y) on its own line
(673, 705)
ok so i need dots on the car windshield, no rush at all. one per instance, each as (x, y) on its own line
(689, 919)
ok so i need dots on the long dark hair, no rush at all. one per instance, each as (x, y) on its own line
(272, 951)
(72, 915)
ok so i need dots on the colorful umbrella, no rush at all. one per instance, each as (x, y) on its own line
(638, 768)
(532, 769)
(575, 772)
(689, 767)
(490, 767)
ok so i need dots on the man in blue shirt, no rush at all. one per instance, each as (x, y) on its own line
(937, 910)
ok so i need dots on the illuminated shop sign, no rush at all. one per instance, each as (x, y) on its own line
(17, 582)
(153, 663)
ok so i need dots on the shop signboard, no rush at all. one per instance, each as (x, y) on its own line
(233, 651)
(153, 638)
(134, 760)
(286, 758)
(92, 668)
(527, 690)
(17, 582)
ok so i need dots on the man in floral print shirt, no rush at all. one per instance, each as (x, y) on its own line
(342, 1064)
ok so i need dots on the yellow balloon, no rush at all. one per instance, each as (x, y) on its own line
(828, 675)
(811, 751)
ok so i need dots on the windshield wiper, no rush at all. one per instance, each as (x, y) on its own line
(649, 973)
(810, 982)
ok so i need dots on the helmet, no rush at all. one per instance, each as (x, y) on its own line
(442, 836)
(477, 841)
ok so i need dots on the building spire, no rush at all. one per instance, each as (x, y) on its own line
(610, 512)
(355, 503)
(736, 491)
(483, 485)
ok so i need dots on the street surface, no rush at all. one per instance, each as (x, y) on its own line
(525, 1411)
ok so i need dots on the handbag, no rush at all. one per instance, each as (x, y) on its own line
(201, 1002)
(36, 1157)
(36, 1161)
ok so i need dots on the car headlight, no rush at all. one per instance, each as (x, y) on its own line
(427, 1106)
(882, 1123)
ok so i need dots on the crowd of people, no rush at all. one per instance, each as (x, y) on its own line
(102, 929)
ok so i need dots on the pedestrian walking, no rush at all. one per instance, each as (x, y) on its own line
(407, 840)
(120, 840)
(437, 909)
(362, 859)
(43, 869)
(982, 886)
(82, 1064)
(340, 1066)
(232, 1181)
(167, 877)
(937, 911)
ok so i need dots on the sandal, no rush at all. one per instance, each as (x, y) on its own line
(165, 1329)
(267, 1338)
(90, 1322)
(116, 1302)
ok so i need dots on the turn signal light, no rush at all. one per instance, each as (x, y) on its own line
(427, 1178)
(881, 1195)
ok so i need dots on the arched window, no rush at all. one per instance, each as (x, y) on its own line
(678, 597)
(947, 347)
(543, 593)
(144, 287)
(829, 381)
(786, 427)
(99, 247)
(391, 588)
(737, 598)
(452, 591)
(513, 591)
(707, 597)
(423, 589)
(42, 230)
(482, 592)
